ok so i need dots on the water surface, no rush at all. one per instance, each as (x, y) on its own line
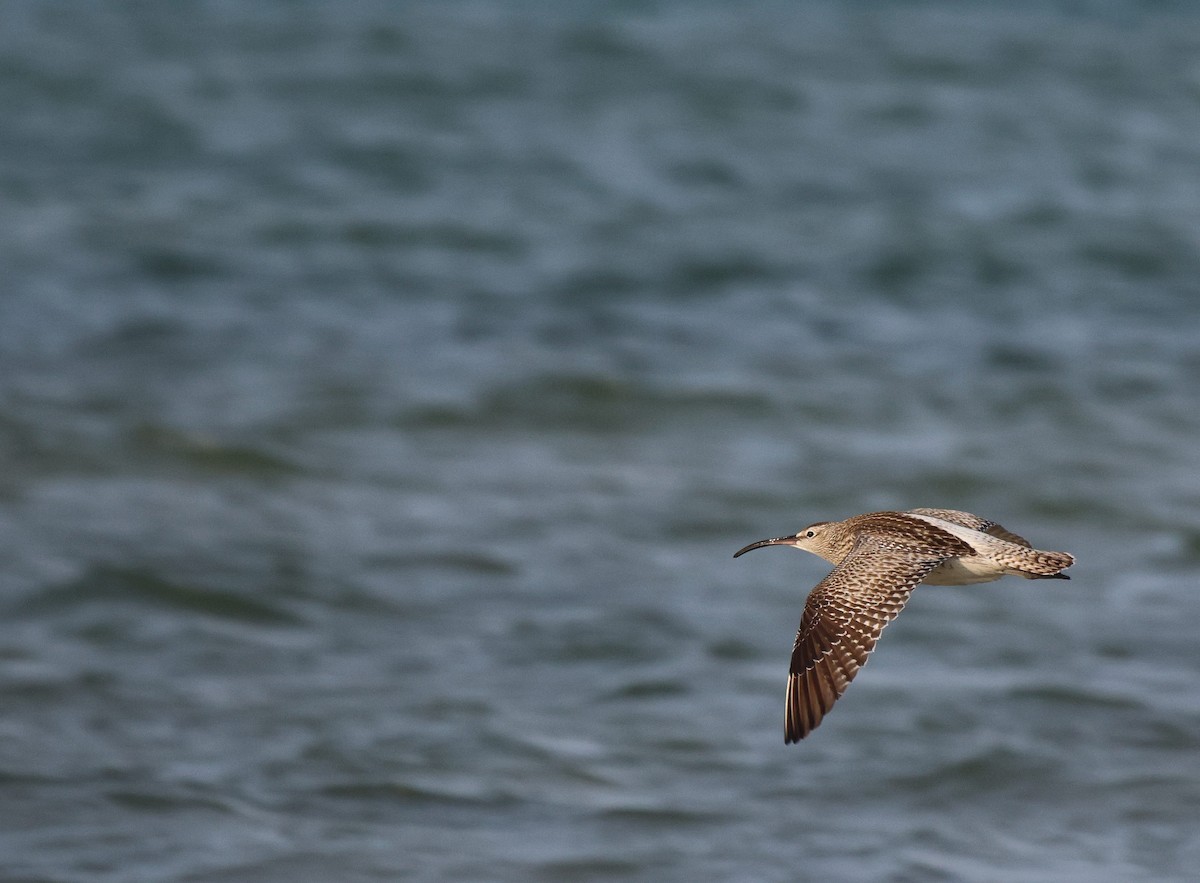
(384, 389)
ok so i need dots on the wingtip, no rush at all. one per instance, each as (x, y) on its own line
(793, 735)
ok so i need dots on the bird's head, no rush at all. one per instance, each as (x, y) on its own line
(820, 538)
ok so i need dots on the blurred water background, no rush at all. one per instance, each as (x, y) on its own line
(385, 387)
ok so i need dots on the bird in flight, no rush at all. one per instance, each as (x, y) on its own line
(879, 558)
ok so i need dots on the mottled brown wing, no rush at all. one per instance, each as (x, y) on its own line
(842, 620)
(974, 522)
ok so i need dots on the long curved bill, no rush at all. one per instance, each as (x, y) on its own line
(774, 541)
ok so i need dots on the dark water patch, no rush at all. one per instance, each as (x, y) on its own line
(710, 273)
(904, 114)
(290, 232)
(699, 748)
(631, 635)
(664, 817)
(176, 265)
(943, 68)
(479, 563)
(994, 770)
(304, 861)
(734, 649)
(209, 454)
(994, 269)
(407, 794)
(401, 169)
(898, 269)
(450, 709)
(1140, 255)
(565, 761)
(1076, 698)
(385, 39)
(600, 282)
(583, 402)
(705, 173)
(606, 43)
(584, 869)
(1118, 651)
(1018, 358)
(452, 237)
(1041, 216)
(650, 689)
(155, 334)
(104, 585)
(1189, 545)
(1165, 734)
(17, 779)
(159, 802)
(54, 686)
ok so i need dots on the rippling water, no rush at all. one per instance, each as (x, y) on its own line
(384, 389)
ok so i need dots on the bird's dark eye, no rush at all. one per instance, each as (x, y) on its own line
(810, 533)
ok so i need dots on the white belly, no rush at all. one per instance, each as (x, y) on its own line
(964, 572)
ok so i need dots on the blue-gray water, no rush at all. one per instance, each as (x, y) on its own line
(385, 387)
